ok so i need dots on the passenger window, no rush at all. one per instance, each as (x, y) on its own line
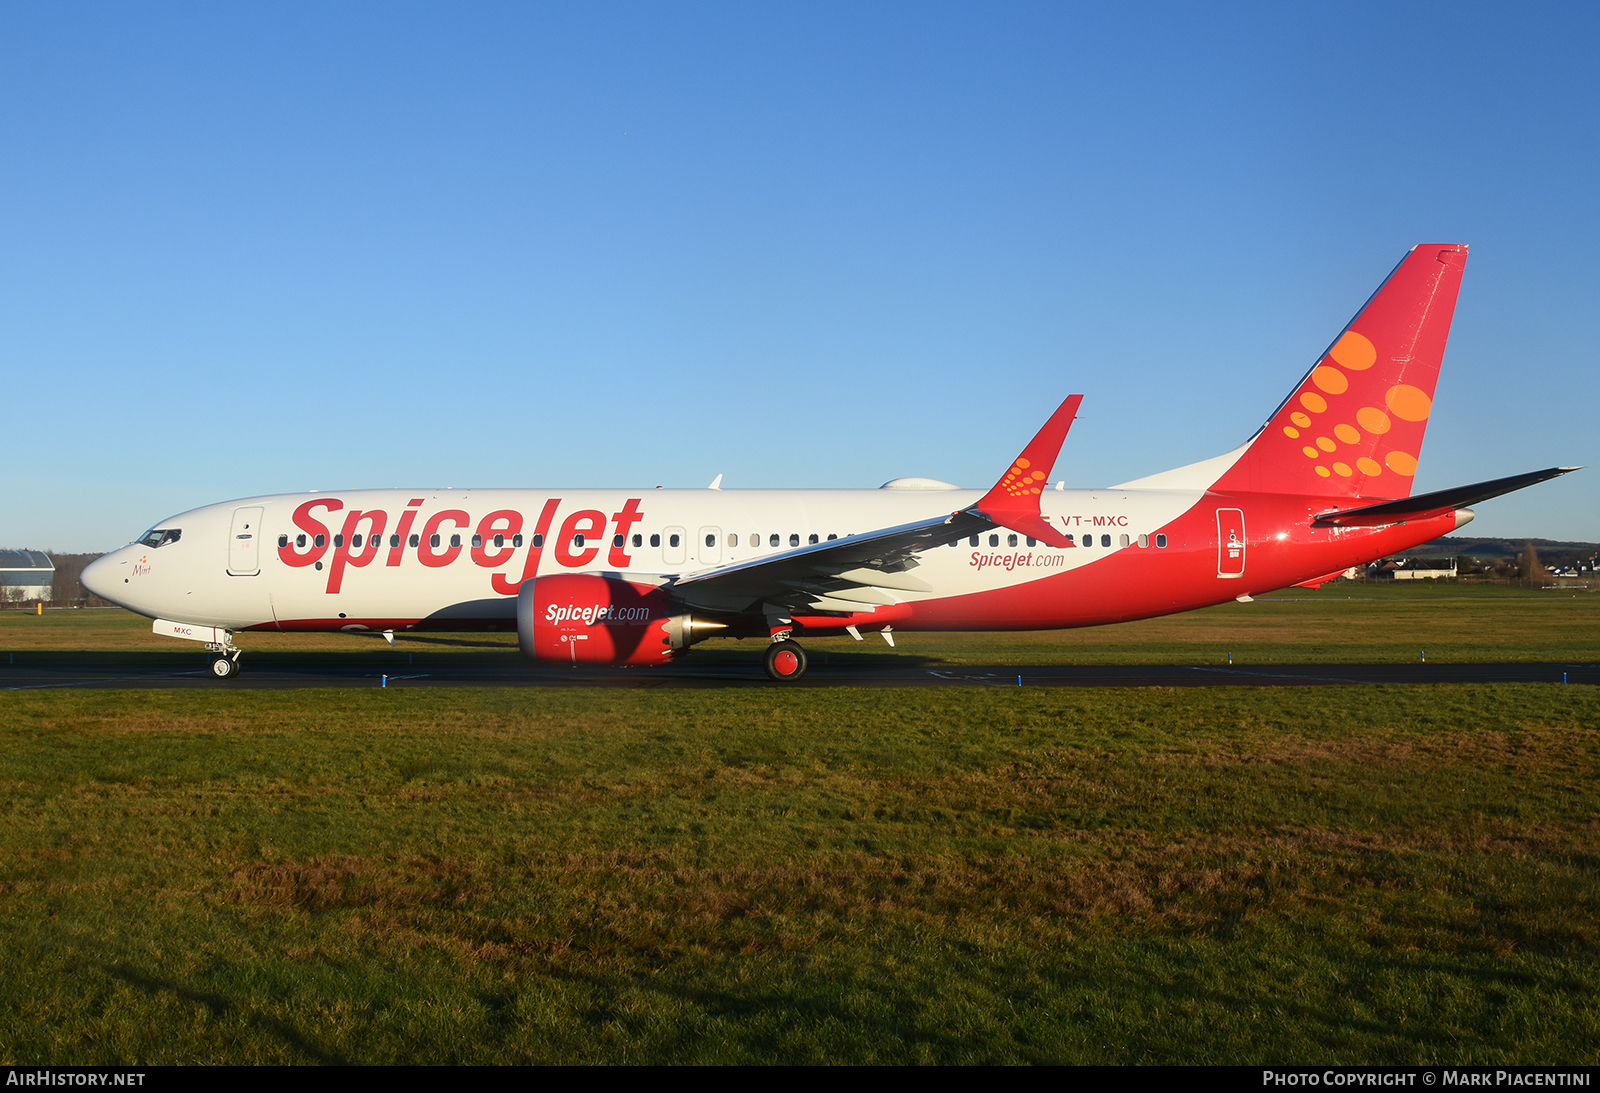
(994, 540)
(972, 541)
(616, 541)
(772, 540)
(733, 538)
(455, 541)
(299, 540)
(433, 540)
(711, 540)
(338, 540)
(1144, 540)
(1124, 540)
(283, 541)
(1105, 540)
(1011, 540)
(655, 540)
(415, 539)
(831, 536)
(794, 540)
(673, 541)
(394, 540)
(577, 541)
(813, 539)
(499, 540)
(355, 542)
(321, 540)
(1032, 541)
(1161, 542)
(516, 540)
(477, 542)
(638, 540)
(538, 541)
(1088, 540)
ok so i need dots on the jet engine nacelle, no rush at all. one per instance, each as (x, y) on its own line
(584, 619)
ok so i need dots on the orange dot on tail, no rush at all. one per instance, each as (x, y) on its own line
(1323, 471)
(1300, 419)
(1401, 463)
(1023, 464)
(1373, 420)
(1354, 352)
(1409, 403)
(1291, 432)
(1342, 469)
(1331, 380)
(1313, 402)
(1369, 467)
(1311, 453)
(1346, 433)
(1325, 444)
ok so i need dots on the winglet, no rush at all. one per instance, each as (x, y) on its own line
(1014, 501)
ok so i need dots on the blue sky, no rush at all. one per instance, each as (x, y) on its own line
(253, 249)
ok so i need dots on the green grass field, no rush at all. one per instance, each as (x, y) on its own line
(1371, 874)
(1344, 874)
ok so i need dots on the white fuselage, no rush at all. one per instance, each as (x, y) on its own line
(244, 564)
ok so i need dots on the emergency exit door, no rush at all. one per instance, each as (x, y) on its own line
(1230, 542)
(244, 543)
(708, 546)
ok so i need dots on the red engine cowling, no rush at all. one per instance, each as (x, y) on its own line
(585, 619)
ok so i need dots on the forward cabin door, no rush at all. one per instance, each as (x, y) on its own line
(1230, 542)
(244, 543)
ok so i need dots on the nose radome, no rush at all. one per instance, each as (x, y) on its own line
(98, 577)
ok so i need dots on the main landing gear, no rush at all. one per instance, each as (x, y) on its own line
(786, 661)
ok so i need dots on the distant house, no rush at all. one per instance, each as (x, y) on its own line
(1415, 569)
(26, 576)
(1412, 572)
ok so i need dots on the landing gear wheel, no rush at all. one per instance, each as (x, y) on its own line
(224, 667)
(786, 661)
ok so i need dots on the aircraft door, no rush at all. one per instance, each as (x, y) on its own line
(674, 546)
(1230, 543)
(708, 546)
(244, 543)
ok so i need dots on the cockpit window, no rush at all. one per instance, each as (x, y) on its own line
(160, 537)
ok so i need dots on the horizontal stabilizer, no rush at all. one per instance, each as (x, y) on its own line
(1431, 504)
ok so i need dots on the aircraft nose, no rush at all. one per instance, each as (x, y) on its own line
(98, 577)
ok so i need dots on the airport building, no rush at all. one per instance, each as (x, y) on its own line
(26, 576)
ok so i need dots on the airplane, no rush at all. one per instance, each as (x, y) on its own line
(638, 577)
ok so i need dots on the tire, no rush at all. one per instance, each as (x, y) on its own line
(785, 662)
(224, 668)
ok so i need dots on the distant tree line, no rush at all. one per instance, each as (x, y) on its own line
(68, 590)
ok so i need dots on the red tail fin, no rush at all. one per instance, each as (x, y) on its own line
(1354, 426)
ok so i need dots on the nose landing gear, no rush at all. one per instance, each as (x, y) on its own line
(785, 661)
(225, 666)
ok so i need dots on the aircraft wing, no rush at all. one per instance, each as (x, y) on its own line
(856, 573)
(865, 572)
